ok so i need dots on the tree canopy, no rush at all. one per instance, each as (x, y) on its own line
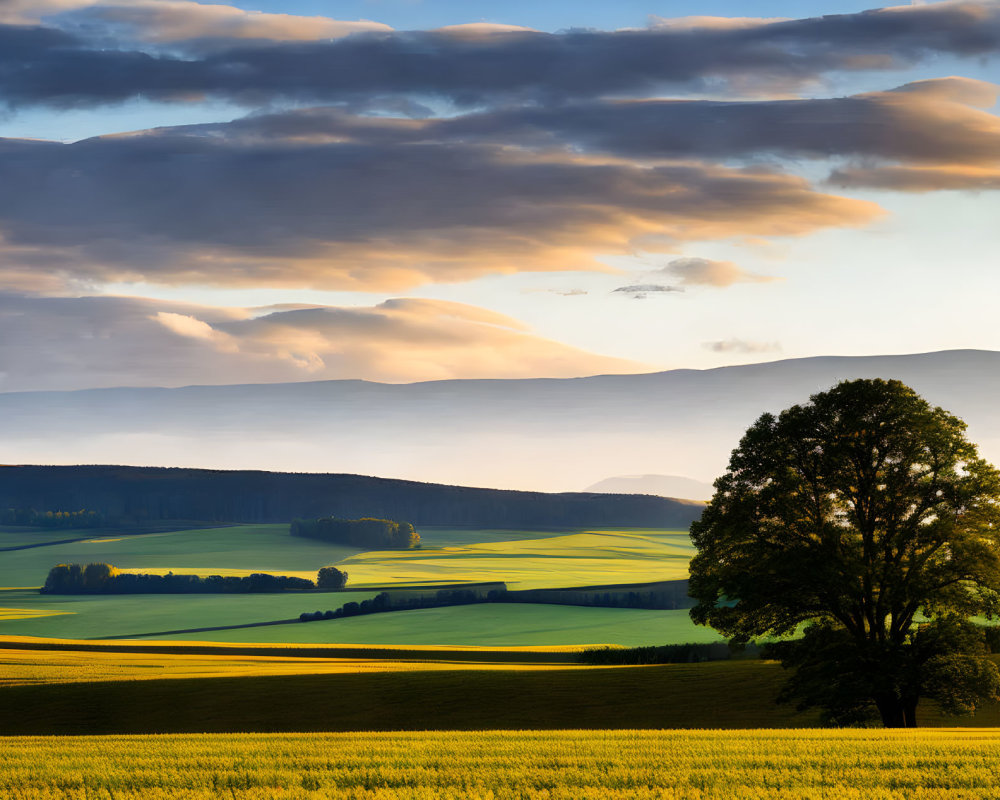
(867, 521)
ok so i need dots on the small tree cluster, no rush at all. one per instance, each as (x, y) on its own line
(77, 579)
(367, 533)
(101, 578)
(331, 579)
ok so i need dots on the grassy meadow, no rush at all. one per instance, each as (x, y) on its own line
(510, 765)
(489, 624)
(138, 615)
(262, 548)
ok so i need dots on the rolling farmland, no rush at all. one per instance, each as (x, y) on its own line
(521, 558)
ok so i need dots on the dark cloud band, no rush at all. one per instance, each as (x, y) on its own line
(45, 66)
(171, 206)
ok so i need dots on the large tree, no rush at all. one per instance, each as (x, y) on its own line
(863, 527)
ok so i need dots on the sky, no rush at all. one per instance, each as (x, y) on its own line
(408, 190)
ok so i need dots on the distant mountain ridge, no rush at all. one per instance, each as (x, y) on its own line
(545, 434)
(126, 495)
(661, 485)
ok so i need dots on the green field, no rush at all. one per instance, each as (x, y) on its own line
(264, 548)
(513, 624)
(523, 559)
(99, 616)
(488, 624)
(511, 765)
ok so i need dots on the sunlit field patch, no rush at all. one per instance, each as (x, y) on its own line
(509, 765)
(580, 559)
(7, 614)
(22, 667)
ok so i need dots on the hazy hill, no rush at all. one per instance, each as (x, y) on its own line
(662, 485)
(125, 494)
(535, 434)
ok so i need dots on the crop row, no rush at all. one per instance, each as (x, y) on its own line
(498, 765)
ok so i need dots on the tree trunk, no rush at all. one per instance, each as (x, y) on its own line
(910, 711)
(891, 708)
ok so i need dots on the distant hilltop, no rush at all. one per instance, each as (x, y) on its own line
(662, 485)
(137, 495)
(539, 434)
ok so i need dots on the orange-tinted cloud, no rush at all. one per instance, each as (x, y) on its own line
(85, 342)
(180, 20)
(183, 207)
(707, 272)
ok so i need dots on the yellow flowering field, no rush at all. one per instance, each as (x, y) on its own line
(7, 614)
(509, 765)
(19, 667)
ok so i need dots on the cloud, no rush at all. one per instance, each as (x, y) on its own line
(711, 23)
(742, 346)
(640, 291)
(474, 30)
(85, 342)
(946, 128)
(211, 206)
(180, 21)
(173, 21)
(469, 69)
(194, 328)
(31, 12)
(919, 179)
(943, 120)
(705, 272)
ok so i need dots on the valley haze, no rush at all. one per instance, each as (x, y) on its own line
(532, 434)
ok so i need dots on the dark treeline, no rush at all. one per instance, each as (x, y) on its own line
(100, 578)
(407, 601)
(660, 595)
(368, 533)
(135, 495)
(51, 519)
(664, 654)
